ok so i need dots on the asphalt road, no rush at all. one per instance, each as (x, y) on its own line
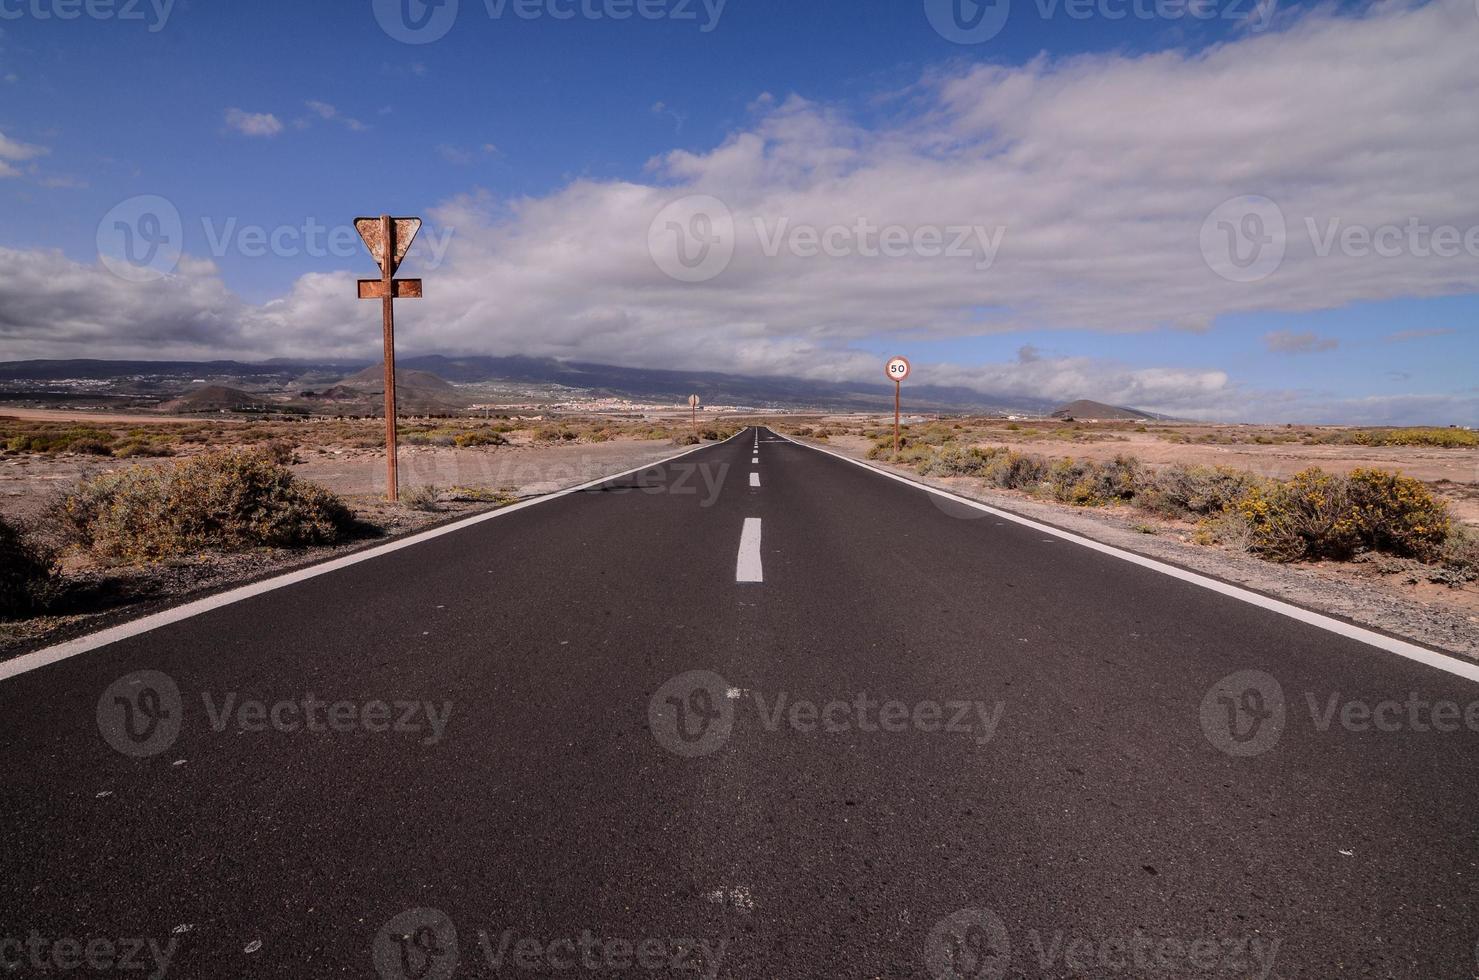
(569, 741)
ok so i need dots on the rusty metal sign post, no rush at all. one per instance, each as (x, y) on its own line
(897, 370)
(693, 412)
(389, 239)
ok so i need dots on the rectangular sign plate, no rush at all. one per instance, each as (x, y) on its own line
(404, 289)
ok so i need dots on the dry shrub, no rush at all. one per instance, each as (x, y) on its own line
(26, 573)
(1398, 514)
(1183, 491)
(1015, 471)
(425, 498)
(223, 501)
(1323, 515)
(957, 461)
(1461, 553)
(1072, 481)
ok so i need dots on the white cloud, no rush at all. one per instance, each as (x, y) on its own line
(17, 152)
(1406, 336)
(1100, 169)
(455, 155)
(1307, 342)
(326, 111)
(253, 123)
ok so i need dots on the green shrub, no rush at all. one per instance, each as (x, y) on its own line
(89, 447)
(141, 447)
(226, 501)
(479, 437)
(430, 439)
(93, 442)
(1440, 438)
(25, 573)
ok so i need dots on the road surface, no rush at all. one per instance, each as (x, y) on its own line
(814, 723)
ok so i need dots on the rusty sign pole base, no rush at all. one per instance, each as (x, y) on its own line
(897, 386)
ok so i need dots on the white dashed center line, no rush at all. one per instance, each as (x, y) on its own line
(754, 479)
(747, 569)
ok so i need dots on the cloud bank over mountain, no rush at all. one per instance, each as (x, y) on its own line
(1082, 190)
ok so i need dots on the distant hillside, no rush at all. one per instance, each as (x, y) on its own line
(719, 388)
(169, 378)
(210, 370)
(416, 392)
(214, 398)
(372, 380)
(1084, 409)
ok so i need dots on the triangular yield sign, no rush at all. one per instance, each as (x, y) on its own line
(404, 230)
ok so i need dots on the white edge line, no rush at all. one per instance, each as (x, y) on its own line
(1402, 648)
(92, 641)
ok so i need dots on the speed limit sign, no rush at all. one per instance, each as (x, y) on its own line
(898, 368)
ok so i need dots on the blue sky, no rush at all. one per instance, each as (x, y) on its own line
(545, 146)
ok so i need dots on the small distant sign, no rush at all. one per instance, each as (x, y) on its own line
(693, 401)
(898, 368)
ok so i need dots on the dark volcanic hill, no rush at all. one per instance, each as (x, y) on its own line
(214, 398)
(1084, 409)
(416, 392)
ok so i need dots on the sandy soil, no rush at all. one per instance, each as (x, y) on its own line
(28, 483)
(521, 470)
(1383, 594)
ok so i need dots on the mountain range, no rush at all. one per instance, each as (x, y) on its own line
(172, 379)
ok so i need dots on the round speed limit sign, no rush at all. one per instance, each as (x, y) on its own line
(898, 368)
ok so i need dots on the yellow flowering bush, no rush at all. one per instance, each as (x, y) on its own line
(1323, 515)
